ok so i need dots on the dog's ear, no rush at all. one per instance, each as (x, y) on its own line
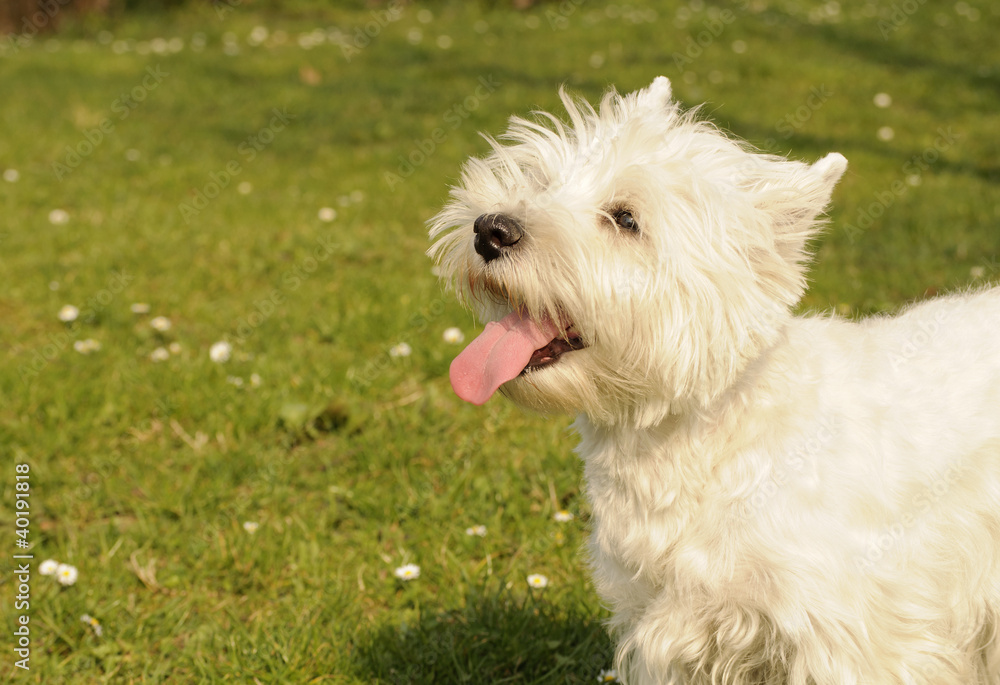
(794, 195)
(657, 95)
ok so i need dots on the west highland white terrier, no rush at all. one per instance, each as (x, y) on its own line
(776, 498)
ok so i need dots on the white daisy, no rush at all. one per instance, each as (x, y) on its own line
(400, 350)
(86, 346)
(174, 348)
(609, 675)
(453, 335)
(68, 313)
(562, 516)
(251, 526)
(48, 567)
(161, 324)
(66, 574)
(882, 100)
(886, 133)
(258, 35)
(139, 308)
(327, 214)
(408, 572)
(58, 217)
(244, 188)
(160, 354)
(11, 175)
(476, 530)
(537, 580)
(93, 623)
(220, 352)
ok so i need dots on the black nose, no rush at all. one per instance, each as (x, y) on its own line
(495, 233)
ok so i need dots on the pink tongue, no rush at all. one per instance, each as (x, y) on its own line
(498, 355)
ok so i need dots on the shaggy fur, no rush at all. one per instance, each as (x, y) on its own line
(776, 499)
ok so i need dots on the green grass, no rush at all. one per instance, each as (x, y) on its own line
(355, 462)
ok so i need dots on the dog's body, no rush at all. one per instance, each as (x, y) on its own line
(775, 499)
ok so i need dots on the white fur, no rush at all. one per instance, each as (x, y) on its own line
(776, 499)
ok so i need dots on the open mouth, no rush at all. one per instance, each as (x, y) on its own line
(507, 349)
(557, 347)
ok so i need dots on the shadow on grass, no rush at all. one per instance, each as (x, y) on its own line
(495, 638)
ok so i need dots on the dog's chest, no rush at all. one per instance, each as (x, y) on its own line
(641, 502)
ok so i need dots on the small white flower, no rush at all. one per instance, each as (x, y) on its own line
(537, 580)
(48, 567)
(160, 354)
(11, 175)
(886, 133)
(66, 574)
(609, 675)
(258, 35)
(408, 572)
(453, 335)
(562, 516)
(476, 530)
(327, 214)
(220, 352)
(58, 217)
(86, 346)
(93, 623)
(882, 100)
(254, 380)
(68, 313)
(139, 308)
(739, 47)
(400, 350)
(244, 188)
(251, 526)
(161, 324)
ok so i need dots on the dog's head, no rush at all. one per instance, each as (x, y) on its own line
(633, 260)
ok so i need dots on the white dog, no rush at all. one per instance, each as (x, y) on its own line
(776, 499)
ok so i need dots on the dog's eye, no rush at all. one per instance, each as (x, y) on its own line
(625, 220)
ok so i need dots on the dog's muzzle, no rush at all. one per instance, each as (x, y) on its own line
(495, 234)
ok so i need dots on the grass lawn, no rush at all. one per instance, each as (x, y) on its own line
(262, 179)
